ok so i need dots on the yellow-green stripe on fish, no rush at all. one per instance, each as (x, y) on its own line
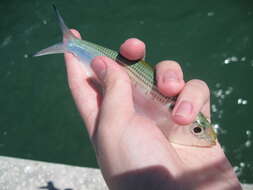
(147, 98)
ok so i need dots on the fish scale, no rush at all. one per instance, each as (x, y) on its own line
(142, 75)
(139, 71)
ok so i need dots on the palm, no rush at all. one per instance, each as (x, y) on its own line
(143, 139)
(126, 141)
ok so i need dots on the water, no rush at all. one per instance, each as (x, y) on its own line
(213, 41)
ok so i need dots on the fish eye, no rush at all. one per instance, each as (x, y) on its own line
(171, 107)
(197, 129)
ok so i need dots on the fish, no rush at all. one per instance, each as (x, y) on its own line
(148, 100)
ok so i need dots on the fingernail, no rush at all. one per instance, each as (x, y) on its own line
(99, 67)
(170, 76)
(184, 109)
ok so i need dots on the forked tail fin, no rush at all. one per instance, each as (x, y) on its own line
(67, 35)
(65, 30)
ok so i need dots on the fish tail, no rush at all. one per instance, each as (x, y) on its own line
(67, 35)
(66, 32)
(54, 49)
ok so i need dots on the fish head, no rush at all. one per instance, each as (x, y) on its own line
(200, 133)
(203, 131)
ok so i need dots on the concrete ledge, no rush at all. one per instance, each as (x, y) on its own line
(20, 174)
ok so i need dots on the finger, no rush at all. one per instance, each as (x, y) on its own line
(85, 96)
(133, 49)
(193, 98)
(117, 101)
(76, 33)
(169, 78)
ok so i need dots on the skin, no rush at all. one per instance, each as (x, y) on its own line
(131, 150)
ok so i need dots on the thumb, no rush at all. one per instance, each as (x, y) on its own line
(118, 99)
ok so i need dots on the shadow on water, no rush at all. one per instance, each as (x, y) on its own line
(50, 186)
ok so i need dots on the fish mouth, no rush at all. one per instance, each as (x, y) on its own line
(211, 135)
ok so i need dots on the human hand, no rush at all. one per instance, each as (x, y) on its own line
(131, 150)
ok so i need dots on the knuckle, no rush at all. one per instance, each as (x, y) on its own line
(167, 63)
(97, 58)
(74, 84)
(163, 66)
(89, 116)
(200, 85)
(136, 41)
(115, 82)
(172, 63)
